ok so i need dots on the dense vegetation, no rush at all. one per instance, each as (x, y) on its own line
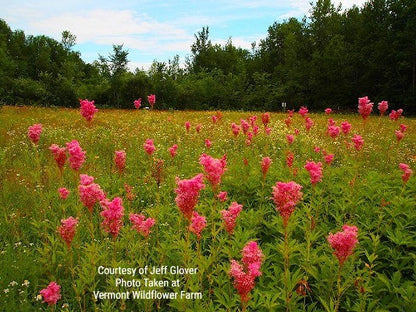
(329, 58)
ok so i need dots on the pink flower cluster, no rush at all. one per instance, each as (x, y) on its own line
(187, 126)
(344, 242)
(222, 196)
(120, 160)
(113, 215)
(383, 106)
(308, 123)
(198, 224)
(400, 133)
(358, 142)
(265, 165)
(303, 111)
(333, 131)
(229, 216)
(149, 147)
(365, 107)
(76, 154)
(395, 115)
(59, 154)
(34, 132)
(214, 168)
(152, 100)
(188, 193)
(141, 224)
(328, 111)
(407, 172)
(286, 196)
(265, 118)
(172, 150)
(88, 109)
(345, 127)
(90, 193)
(244, 125)
(63, 193)
(245, 274)
(235, 129)
(67, 230)
(198, 128)
(315, 171)
(51, 294)
(138, 103)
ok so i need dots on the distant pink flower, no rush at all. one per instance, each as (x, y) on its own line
(288, 121)
(51, 294)
(268, 130)
(407, 172)
(399, 135)
(290, 112)
(328, 111)
(315, 171)
(113, 215)
(345, 127)
(365, 107)
(344, 242)
(138, 103)
(383, 106)
(88, 109)
(187, 126)
(256, 130)
(244, 125)
(149, 147)
(229, 216)
(141, 224)
(76, 154)
(250, 136)
(235, 129)
(296, 131)
(63, 193)
(120, 160)
(152, 100)
(188, 194)
(198, 224)
(331, 122)
(286, 196)
(395, 115)
(252, 254)
(329, 158)
(67, 230)
(290, 138)
(308, 123)
(172, 150)
(317, 149)
(34, 132)
(214, 119)
(253, 120)
(265, 118)
(358, 142)
(289, 159)
(222, 196)
(303, 111)
(265, 165)
(208, 143)
(90, 193)
(403, 128)
(333, 131)
(59, 154)
(214, 168)
(198, 128)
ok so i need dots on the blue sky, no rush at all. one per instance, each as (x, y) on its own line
(150, 30)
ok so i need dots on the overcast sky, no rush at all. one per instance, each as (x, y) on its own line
(150, 30)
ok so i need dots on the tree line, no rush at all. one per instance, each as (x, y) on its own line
(327, 59)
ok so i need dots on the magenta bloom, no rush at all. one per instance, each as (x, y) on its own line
(345, 127)
(208, 143)
(198, 128)
(235, 129)
(198, 224)
(399, 135)
(141, 224)
(187, 126)
(90, 193)
(88, 109)
(344, 242)
(407, 172)
(113, 215)
(268, 130)
(222, 196)
(138, 103)
(51, 294)
(308, 123)
(172, 150)
(315, 171)
(63, 193)
(59, 154)
(76, 154)
(149, 147)
(383, 106)
(265, 165)
(188, 193)
(152, 100)
(256, 130)
(358, 142)
(265, 118)
(365, 107)
(67, 230)
(286, 196)
(120, 160)
(395, 115)
(214, 168)
(329, 158)
(214, 119)
(403, 128)
(244, 125)
(328, 111)
(290, 138)
(333, 131)
(303, 111)
(229, 216)
(34, 132)
(289, 159)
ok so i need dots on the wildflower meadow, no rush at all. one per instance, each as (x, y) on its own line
(148, 210)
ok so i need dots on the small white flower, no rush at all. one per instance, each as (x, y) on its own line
(6, 290)
(13, 283)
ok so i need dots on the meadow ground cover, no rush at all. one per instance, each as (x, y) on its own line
(251, 211)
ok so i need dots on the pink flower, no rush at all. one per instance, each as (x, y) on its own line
(395, 115)
(188, 193)
(120, 160)
(214, 119)
(316, 149)
(252, 254)
(235, 129)
(358, 142)
(149, 147)
(365, 107)
(288, 121)
(208, 143)
(328, 111)
(345, 127)
(76, 154)
(214, 168)
(222, 196)
(265, 118)
(172, 150)
(63, 193)
(329, 158)
(331, 122)
(34, 132)
(289, 159)
(187, 126)
(88, 109)
(333, 131)
(113, 215)
(141, 224)
(303, 111)
(152, 100)
(244, 125)
(403, 128)
(198, 224)
(229, 216)
(256, 130)
(286, 196)
(90, 193)
(51, 294)
(315, 171)
(59, 154)
(383, 106)
(138, 103)
(344, 242)
(407, 172)
(399, 135)
(290, 112)
(253, 120)
(268, 130)
(265, 165)
(67, 230)
(198, 128)
(308, 123)
(290, 138)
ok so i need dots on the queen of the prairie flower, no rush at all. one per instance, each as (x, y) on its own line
(51, 294)
(59, 154)
(76, 154)
(88, 109)
(230, 215)
(34, 132)
(315, 171)
(67, 230)
(286, 196)
(120, 160)
(142, 224)
(188, 194)
(90, 193)
(214, 168)
(344, 242)
(113, 215)
(198, 224)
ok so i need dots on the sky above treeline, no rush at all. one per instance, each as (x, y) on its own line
(151, 30)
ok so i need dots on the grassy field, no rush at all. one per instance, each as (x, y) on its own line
(299, 271)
